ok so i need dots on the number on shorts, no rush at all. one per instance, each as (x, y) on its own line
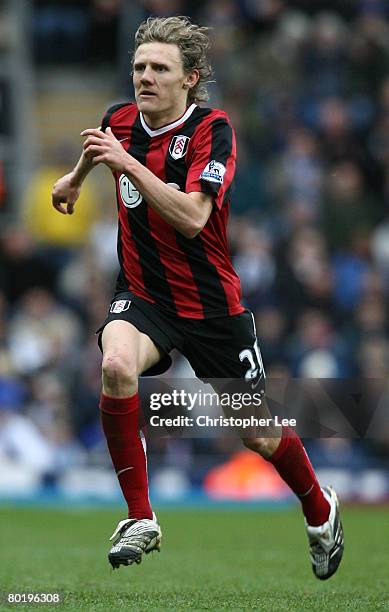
(256, 371)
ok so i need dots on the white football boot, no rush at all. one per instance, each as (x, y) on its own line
(133, 538)
(326, 542)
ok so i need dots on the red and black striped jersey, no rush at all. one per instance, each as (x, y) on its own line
(194, 277)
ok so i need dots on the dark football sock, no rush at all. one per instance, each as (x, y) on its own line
(119, 418)
(292, 463)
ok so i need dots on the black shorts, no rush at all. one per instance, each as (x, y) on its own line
(222, 347)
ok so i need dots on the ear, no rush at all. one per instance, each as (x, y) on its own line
(191, 79)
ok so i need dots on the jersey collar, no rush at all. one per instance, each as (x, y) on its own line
(168, 127)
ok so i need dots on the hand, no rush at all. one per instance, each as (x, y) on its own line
(103, 147)
(65, 191)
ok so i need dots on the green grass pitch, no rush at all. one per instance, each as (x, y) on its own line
(210, 560)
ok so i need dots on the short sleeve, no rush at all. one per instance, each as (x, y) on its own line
(106, 119)
(211, 166)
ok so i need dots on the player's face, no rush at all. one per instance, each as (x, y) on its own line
(161, 86)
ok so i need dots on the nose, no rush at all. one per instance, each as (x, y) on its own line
(147, 76)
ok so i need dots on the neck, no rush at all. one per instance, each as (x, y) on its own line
(158, 120)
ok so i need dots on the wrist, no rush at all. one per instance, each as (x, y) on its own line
(80, 172)
(130, 166)
(76, 178)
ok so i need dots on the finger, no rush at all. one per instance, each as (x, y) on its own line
(56, 201)
(98, 159)
(110, 133)
(70, 208)
(92, 151)
(91, 140)
(93, 132)
(60, 208)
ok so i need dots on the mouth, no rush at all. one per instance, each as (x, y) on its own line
(146, 94)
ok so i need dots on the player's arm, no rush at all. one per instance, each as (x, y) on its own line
(186, 212)
(67, 189)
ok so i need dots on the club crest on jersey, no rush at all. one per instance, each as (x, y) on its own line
(178, 146)
(129, 194)
(120, 306)
(213, 172)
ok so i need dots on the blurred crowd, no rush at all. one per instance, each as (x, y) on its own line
(307, 90)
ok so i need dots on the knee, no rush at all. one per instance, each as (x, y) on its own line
(263, 446)
(119, 374)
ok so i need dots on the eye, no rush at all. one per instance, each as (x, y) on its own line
(161, 68)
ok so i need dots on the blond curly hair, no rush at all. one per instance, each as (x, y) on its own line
(192, 41)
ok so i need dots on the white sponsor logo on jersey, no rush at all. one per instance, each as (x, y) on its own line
(178, 146)
(129, 194)
(213, 172)
(120, 306)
